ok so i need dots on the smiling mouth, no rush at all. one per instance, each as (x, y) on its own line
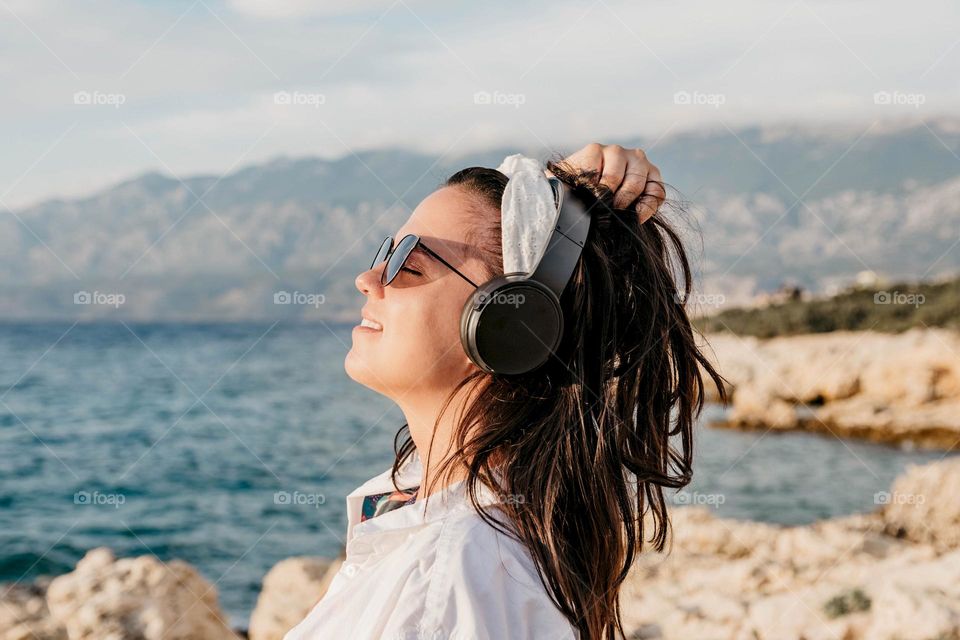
(370, 324)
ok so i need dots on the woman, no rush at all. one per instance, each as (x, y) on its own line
(517, 503)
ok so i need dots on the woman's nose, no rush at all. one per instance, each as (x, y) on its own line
(369, 281)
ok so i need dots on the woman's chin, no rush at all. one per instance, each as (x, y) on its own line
(359, 370)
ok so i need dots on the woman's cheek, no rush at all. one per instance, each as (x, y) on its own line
(419, 326)
(441, 328)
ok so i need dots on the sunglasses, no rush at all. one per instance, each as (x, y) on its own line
(396, 257)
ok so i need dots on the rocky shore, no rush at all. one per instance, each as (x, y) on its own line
(892, 574)
(892, 388)
(106, 598)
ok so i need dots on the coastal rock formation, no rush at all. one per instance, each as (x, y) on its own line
(290, 589)
(841, 579)
(909, 512)
(106, 598)
(24, 614)
(893, 388)
(109, 599)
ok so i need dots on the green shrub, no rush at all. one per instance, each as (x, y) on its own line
(847, 602)
(892, 309)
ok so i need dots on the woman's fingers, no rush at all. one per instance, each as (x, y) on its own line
(652, 197)
(614, 166)
(634, 179)
(627, 173)
(589, 158)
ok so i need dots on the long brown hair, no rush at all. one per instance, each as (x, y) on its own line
(585, 445)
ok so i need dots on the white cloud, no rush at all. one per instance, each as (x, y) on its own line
(286, 9)
(199, 83)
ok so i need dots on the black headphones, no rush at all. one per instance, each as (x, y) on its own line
(512, 323)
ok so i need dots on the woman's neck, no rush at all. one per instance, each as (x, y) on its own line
(422, 422)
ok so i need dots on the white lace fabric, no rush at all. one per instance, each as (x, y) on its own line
(528, 214)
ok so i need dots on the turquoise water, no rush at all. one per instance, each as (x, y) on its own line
(105, 442)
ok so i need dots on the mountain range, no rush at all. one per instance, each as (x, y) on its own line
(808, 205)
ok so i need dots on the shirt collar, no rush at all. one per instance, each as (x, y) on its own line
(449, 499)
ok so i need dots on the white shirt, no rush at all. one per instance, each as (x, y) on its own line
(446, 576)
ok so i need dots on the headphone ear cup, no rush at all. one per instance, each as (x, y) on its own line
(511, 325)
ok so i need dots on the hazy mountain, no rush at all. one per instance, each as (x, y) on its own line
(885, 198)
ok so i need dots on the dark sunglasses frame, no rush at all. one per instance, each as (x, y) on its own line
(388, 253)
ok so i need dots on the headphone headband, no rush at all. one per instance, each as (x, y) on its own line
(567, 242)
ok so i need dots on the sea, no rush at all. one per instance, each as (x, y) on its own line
(232, 446)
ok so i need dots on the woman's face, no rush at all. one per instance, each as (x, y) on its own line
(418, 349)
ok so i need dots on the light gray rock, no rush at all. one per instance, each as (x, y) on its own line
(290, 589)
(924, 504)
(893, 388)
(106, 598)
(24, 614)
(841, 579)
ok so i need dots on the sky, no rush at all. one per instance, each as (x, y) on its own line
(96, 92)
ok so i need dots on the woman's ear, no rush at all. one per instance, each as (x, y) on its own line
(469, 366)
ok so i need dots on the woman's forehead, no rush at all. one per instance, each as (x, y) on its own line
(443, 219)
(446, 209)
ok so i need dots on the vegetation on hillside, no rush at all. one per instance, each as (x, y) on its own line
(892, 308)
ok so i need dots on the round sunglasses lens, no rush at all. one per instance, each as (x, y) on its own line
(395, 263)
(382, 252)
